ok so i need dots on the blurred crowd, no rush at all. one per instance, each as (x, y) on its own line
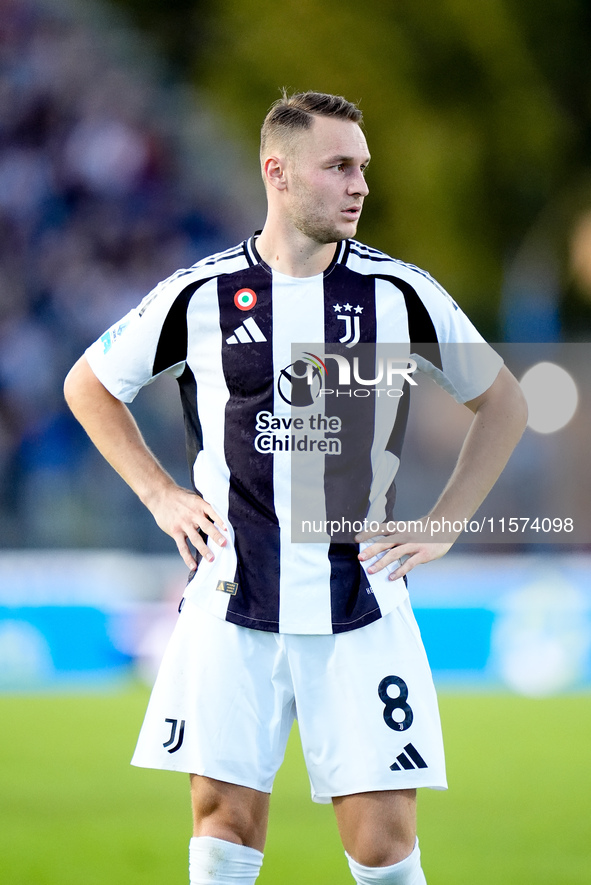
(95, 208)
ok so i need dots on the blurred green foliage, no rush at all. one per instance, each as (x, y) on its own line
(478, 114)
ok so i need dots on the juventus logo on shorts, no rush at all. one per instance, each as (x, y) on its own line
(173, 735)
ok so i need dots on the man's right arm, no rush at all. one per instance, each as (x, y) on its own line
(113, 430)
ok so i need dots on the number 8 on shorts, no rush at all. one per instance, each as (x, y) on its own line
(391, 704)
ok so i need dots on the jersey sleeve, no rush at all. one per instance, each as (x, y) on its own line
(124, 358)
(463, 363)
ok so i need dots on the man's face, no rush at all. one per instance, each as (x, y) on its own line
(326, 184)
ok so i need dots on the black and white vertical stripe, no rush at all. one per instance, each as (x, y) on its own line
(188, 326)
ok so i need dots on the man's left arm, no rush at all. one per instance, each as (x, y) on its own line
(500, 417)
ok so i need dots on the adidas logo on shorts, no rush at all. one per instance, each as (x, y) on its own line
(408, 760)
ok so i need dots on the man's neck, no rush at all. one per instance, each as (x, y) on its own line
(294, 256)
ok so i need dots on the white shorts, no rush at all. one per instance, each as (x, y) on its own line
(226, 697)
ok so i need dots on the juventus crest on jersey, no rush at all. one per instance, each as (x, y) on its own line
(295, 394)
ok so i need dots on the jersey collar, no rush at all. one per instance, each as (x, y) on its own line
(253, 257)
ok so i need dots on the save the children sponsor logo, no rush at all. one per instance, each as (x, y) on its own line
(314, 433)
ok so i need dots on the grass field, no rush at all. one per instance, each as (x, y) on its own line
(72, 810)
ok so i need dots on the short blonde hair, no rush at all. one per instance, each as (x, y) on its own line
(292, 114)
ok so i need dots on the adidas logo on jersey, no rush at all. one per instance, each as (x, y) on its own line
(408, 760)
(246, 333)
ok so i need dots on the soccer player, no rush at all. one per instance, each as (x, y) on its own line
(270, 628)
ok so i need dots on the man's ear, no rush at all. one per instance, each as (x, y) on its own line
(274, 173)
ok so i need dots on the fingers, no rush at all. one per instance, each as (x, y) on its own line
(367, 536)
(185, 553)
(187, 518)
(407, 563)
(379, 556)
(192, 536)
(410, 555)
(205, 522)
(213, 525)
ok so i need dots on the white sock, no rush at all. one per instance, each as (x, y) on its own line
(217, 862)
(406, 872)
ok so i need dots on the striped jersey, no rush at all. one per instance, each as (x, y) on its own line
(295, 395)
